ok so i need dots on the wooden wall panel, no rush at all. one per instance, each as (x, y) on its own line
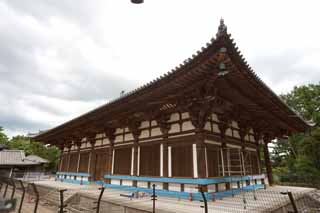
(84, 161)
(251, 163)
(213, 160)
(122, 161)
(235, 161)
(255, 164)
(150, 160)
(73, 162)
(64, 166)
(101, 166)
(182, 161)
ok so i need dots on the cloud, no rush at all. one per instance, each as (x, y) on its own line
(286, 69)
(44, 71)
(59, 59)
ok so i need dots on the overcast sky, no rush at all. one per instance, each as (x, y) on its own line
(59, 59)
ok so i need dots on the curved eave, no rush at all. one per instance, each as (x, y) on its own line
(299, 125)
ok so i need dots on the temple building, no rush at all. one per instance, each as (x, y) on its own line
(206, 123)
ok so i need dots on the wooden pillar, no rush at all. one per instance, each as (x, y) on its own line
(59, 166)
(257, 137)
(69, 156)
(266, 140)
(109, 132)
(165, 165)
(134, 126)
(162, 121)
(92, 158)
(78, 146)
(202, 161)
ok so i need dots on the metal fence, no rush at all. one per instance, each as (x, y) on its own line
(31, 197)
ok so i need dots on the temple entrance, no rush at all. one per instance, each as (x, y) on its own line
(101, 165)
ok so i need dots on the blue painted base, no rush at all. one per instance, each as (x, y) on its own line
(198, 181)
(67, 180)
(186, 195)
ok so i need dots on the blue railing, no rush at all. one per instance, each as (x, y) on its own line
(199, 181)
(74, 177)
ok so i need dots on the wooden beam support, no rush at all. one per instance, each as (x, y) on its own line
(267, 139)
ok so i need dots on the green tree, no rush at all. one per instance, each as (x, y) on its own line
(306, 101)
(297, 159)
(35, 148)
(3, 137)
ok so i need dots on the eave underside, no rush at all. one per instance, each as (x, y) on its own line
(238, 93)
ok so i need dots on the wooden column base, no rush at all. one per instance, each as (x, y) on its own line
(228, 186)
(166, 186)
(135, 183)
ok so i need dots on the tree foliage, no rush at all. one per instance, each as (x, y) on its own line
(32, 148)
(3, 137)
(297, 159)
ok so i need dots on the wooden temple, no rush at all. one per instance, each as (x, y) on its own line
(206, 123)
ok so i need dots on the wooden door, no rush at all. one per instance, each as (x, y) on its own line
(101, 165)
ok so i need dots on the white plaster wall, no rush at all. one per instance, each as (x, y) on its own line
(158, 185)
(98, 142)
(105, 141)
(144, 134)
(222, 186)
(215, 128)
(127, 182)
(155, 131)
(236, 134)
(212, 142)
(207, 126)
(214, 117)
(251, 149)
(174, 117)
(119, 130)
(187, 126)
(212, 188)
(126, 129)
(142, 184)
(235, 124)
(83, 145)
(174, 128)
(118, 139)
(153, 123)
(190, 188)
(144, 124)
(174, 187)
(229, 132)
(185, 115)
(116, 182)
(100, 135)
(234, 185)
(128, 137)
(252, 138)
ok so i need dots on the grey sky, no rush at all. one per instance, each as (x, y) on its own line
(59, 59)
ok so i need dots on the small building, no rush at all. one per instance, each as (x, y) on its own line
(202, 124)
(14, 163)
